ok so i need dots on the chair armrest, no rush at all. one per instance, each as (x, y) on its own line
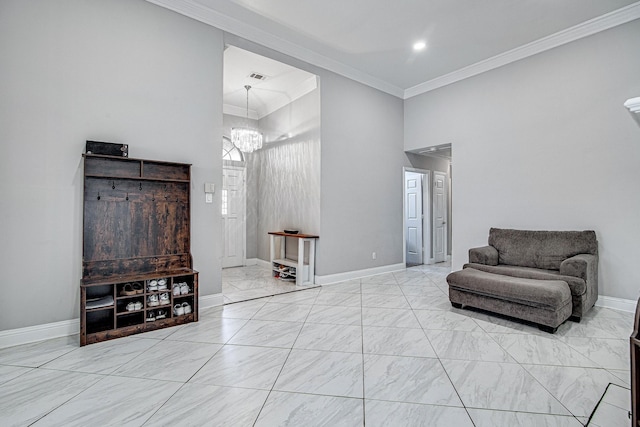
(487, 255)
(584, 266)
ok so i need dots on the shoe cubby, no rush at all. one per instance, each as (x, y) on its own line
(128, 319)
(136, 246)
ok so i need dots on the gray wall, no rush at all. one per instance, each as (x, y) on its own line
(287, 171)
(117, 70)
(362, 160)
(545, 143)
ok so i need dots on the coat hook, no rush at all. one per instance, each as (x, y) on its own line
(98, 195)
(140, 186)
(153, 198)
(127, 196)
(113, 185)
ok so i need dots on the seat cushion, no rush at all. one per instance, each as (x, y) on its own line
(547, 294)
(577, 285)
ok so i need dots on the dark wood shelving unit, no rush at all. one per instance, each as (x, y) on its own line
(137, 229)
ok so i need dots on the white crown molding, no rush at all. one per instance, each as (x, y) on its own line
(298, 92)
(225, 23)
(239, 111)
(281, 101)
(633, 105)
(585, 29)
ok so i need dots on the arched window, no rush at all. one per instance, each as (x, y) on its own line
(230, 151)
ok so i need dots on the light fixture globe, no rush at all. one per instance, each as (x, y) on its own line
(246, 139)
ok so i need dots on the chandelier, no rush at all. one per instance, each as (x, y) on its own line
(247, 140)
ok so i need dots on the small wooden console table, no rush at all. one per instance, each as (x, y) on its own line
(289, 269)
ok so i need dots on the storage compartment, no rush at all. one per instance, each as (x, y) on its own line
(99, 320)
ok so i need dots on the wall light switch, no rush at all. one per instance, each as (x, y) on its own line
(208, 198)
(209, 187)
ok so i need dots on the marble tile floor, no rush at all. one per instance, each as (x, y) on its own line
(613, 409)
(386, 350)
(251, 282)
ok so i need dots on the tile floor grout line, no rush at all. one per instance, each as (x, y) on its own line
(281, 369)
(364, 402)
(104, 377)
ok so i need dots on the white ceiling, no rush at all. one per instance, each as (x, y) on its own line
(371, 40)
(282, 85)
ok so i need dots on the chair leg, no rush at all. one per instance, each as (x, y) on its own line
(575, 319)
(456, 305)
(549, 329)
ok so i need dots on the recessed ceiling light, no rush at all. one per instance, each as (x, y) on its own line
(419, 45)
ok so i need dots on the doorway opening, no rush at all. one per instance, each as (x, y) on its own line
(273, 187)
(427, 206)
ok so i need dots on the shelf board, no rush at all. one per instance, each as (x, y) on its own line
(289, 262)
(135, 178)
(106, 307)
(135, 277)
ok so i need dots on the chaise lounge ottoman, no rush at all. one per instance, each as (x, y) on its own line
(545, 302)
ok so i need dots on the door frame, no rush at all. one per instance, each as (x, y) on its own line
(446, 218)
(426, 212)
(244, 212)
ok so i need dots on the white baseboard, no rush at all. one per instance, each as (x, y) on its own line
(250, 261)
(39, 333)
(357, 274)
(208, 301)
(65, 328)
(263, 263)
(614, 303)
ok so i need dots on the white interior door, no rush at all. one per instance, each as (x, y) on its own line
(233, 217)
(439, 216)
(413, 217)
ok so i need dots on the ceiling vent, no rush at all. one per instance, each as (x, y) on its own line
(258, 76)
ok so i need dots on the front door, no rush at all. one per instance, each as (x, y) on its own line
(233, 217)
(413, 217)
(439, 216)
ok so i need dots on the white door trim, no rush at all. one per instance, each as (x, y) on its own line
(445, 238)
(426, 231)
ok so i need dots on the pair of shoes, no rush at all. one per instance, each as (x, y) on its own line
(152, 301)
(162, 284)
(127, 290)
(137, 286)
(134, 306)
(164, 298)
(181, 309)
(152, 315)
(152, 285)
(181, 288)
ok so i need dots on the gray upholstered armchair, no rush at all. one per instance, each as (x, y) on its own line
(569, 256)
